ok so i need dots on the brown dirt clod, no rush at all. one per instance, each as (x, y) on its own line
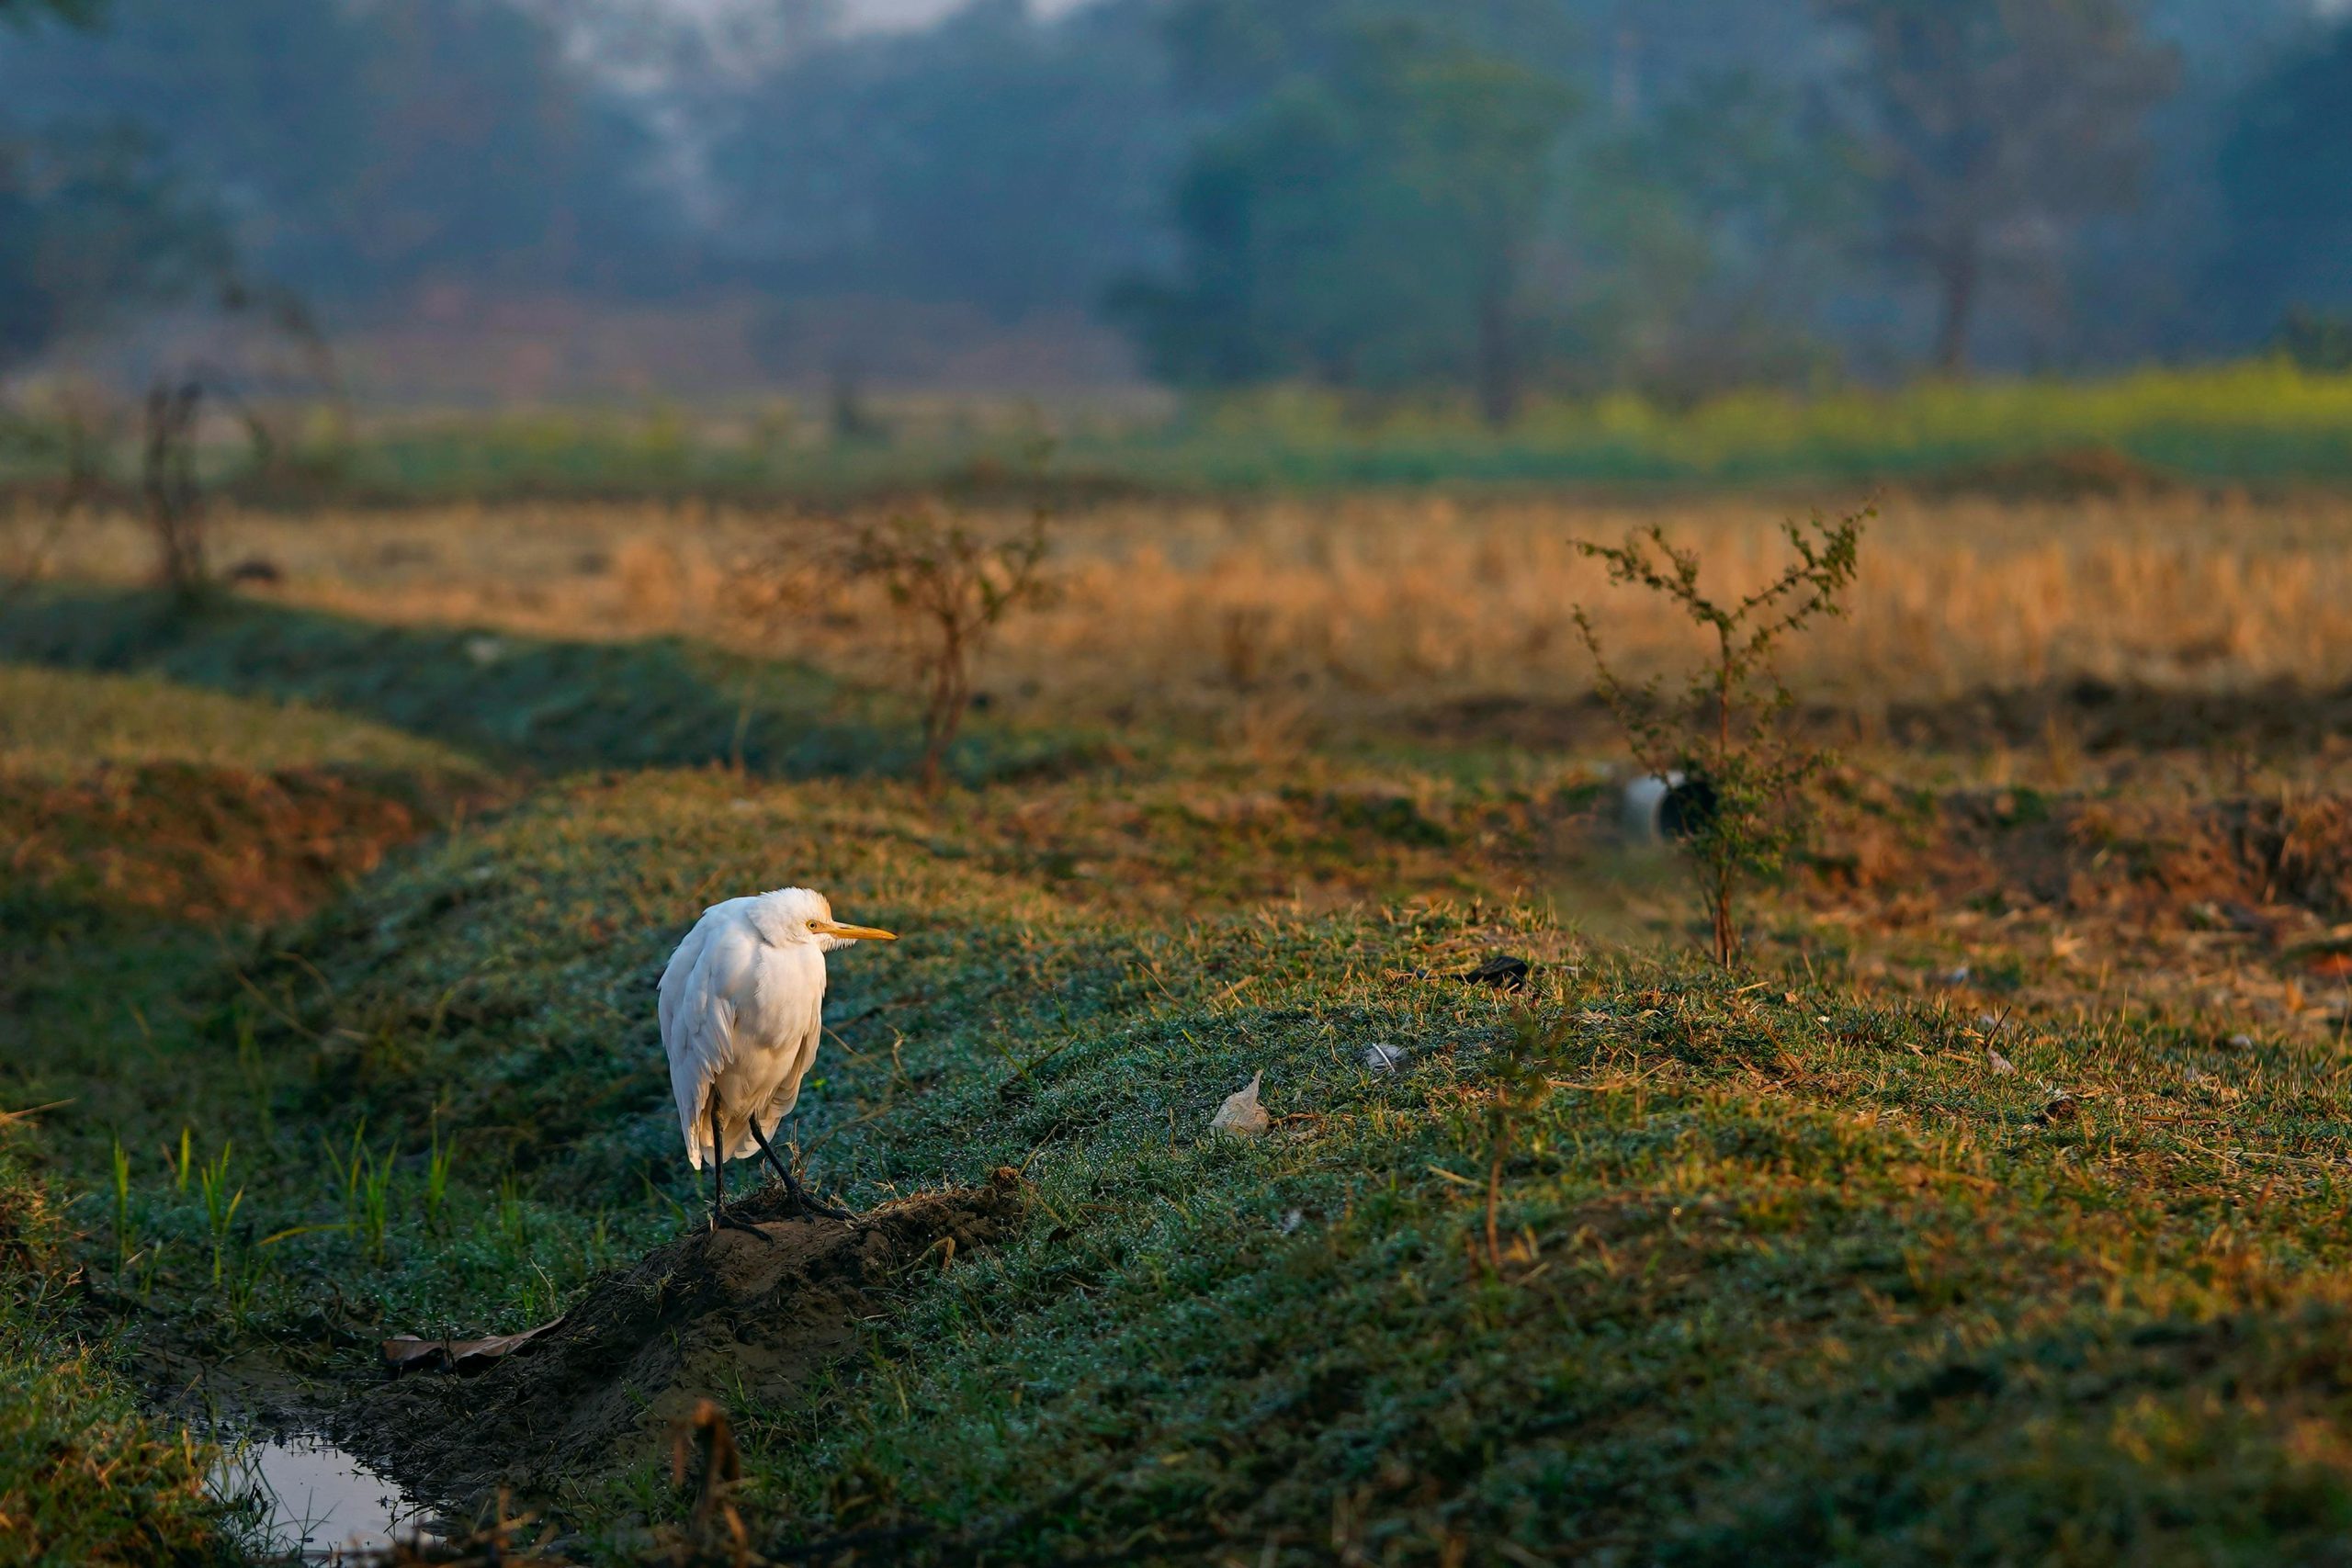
(704, 1316)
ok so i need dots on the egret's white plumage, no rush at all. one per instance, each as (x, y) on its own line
(742, 1007)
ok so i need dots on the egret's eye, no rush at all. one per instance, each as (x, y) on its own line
(812, 925)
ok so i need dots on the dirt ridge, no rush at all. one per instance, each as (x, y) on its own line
(695, 1318)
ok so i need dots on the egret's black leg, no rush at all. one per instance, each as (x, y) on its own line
(718, 1170)
(799, 1195)
(719, 1218)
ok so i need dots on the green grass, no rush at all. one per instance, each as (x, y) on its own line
(1789, 1274)
(85, 1476)
(58, 724)
(502, 700)
(1807, 1280)
(1796, 1280)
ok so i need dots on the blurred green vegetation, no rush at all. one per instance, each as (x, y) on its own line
(2265, 422)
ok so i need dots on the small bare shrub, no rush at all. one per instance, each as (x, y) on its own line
(950, 587)
(168, 481)
(1726, 733)
(1243, 636)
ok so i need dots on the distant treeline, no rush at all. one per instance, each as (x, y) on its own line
(1505, 197)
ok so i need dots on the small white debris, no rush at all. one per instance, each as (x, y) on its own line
(1291, 1221)
(1241, 1116)
(485, 651)
(1382, 1058)
(1958, 976)
(2243, 1042)
(1999, 1062)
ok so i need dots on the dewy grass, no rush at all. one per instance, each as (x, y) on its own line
(220, 1206)
(439, 1161)
(1778, 1273)
(365, 1180)
(1652, 1262)
(122, 1171)
(83, 1477)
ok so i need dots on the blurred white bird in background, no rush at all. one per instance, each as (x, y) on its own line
(742, 1007)
(1666, 808)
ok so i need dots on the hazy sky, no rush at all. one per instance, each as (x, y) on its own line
(914, 13)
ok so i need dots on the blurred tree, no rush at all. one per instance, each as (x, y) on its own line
(74, 13)
(363, 148)
(1996, 127)
(1713, 234)
(1371, 221)
(998, 159)
(2286, 177)
(94, 222)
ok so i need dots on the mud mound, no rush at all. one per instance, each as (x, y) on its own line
(704, 1316)
(207, 843)
(2166, 863)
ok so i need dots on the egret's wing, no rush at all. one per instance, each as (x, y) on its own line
(675, 977)
(699, 1017)
(807, 1033)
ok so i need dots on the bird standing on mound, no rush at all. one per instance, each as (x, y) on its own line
(743, 1006)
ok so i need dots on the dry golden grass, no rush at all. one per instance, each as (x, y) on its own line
(1267, 615)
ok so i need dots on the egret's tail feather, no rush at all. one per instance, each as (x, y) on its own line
(734, 1133)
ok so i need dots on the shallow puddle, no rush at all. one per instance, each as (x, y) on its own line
(318, 1504)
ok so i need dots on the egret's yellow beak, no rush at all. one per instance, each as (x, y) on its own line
(855, 933)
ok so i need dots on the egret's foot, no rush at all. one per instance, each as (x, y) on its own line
(808, 1202)
(801, 1201)
(721, 1220)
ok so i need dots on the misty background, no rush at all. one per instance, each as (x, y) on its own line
(541, 201)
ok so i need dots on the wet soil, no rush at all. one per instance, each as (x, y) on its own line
(722, 1316)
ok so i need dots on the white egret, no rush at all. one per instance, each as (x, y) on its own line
(743, 1006)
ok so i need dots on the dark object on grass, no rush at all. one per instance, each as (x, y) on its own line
(257, 572)
(1688, 808)
(2061, 1108)
(1503, 970)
